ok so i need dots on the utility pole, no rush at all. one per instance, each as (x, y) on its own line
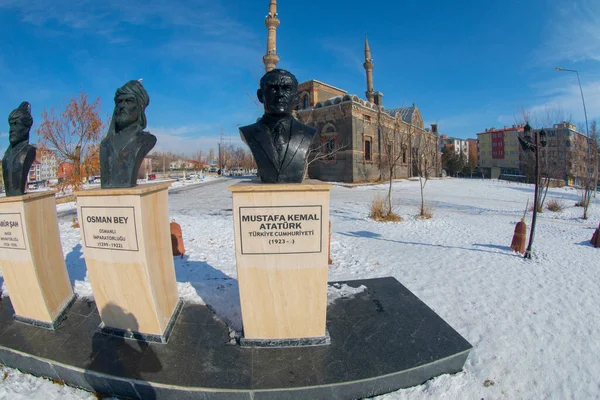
(221, 138)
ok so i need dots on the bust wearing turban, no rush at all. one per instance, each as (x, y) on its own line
(20, 154)
(126, 144)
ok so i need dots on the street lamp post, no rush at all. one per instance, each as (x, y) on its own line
(587, 132)
(533, 145)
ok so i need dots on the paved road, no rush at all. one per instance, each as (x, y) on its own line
(211, 198)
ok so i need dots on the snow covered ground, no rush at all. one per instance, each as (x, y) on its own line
(532, 323)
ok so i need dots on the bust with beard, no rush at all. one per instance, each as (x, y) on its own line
(20, 154)
(279, 142)
(126, 144)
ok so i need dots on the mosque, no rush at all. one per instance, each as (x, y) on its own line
(358, 139)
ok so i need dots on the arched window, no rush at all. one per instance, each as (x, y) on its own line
(330, 147)
(305, 102)
(328, 138)
(368, 149)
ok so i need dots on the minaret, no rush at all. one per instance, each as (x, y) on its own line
(272, 22)
(369, 67)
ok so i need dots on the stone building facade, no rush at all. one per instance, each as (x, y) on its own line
(359, 140)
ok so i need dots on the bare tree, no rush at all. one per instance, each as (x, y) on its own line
(236, 157)
(590, 180)
(555, 158)
(198, 155)
(394, 146)
(325, 151)
(595, 143)
(146, 168)
(227, 159)
(425, 152)
(198, 162)
(588, 183)
(248, 161)
(162, 160)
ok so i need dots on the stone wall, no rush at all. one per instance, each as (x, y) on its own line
(351, 122)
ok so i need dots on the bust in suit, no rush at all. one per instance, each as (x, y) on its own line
(126, 144)
(20, 154)
(279, 142)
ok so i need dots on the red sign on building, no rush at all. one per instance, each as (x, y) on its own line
(498, 145)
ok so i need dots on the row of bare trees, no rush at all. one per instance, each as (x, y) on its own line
(230, 157)
(406, 144)
(236, 157)
(403, 146)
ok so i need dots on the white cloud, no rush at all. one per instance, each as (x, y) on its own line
(567, 97)
(191, 138)
(110, 18)
(456, 121)
(350, 58)
(572, 34)
(551, 102)
(466, 124)
(248, 56)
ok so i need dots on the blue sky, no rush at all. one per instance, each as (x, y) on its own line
(467, 65)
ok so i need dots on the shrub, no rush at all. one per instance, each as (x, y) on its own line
(583, 200)
(540, 209)
(380, 212)
(555, 205)
(377, 208)
(426, 214)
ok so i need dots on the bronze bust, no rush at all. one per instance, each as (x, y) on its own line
(279, 142)
(20, 154)
(126, 144)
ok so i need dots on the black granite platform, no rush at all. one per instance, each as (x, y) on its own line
(383, 339)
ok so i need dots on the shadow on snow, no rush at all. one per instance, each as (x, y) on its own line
(377, 236)
(219, 291)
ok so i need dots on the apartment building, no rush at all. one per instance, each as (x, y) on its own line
(498, 151)
(458, 145)
(565, 156)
